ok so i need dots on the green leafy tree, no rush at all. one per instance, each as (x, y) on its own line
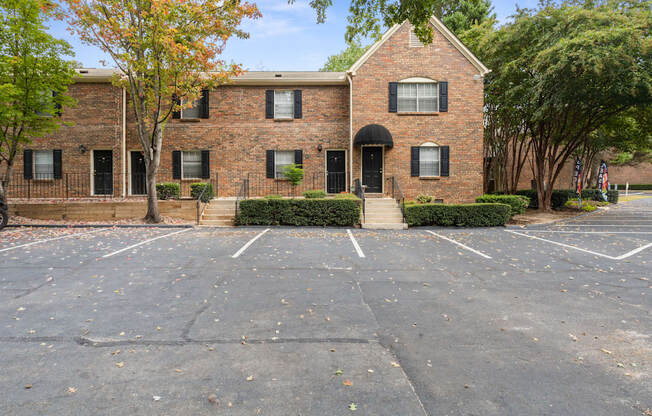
(343, 60)
(167, 52)
(34, 79)
(564, 71)
(461, 16)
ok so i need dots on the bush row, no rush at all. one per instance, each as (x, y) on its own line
(560, 196)
(638, 187)
(462, 215)
(321, 212)
(518, 203)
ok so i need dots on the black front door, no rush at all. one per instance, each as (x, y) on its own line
(138, 186)
(372, 169)
(335, 171)
(103, 172)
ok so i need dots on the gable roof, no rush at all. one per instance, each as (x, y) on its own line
(437, 24)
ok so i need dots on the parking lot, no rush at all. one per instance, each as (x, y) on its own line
(543, 320)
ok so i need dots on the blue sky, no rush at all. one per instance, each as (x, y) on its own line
(287, 37)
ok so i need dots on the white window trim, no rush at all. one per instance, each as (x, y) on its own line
(291, 116)
(49, 174)
(183, 177)
(276, 159)
(198, 101)
(430, 145)
(413, 81)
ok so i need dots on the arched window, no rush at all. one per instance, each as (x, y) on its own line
(418, 95)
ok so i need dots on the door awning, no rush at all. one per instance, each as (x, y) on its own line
(373, 134)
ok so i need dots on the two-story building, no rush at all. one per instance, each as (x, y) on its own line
(404, 110)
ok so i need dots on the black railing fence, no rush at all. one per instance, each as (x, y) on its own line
(260, 185)
(394, 190)
(358, 190)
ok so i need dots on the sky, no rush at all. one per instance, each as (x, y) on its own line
(286, 38)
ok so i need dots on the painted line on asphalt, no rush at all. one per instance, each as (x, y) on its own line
(145, 242)
(621, 257)
(479, 253)
(51, 239)
(602, 225)
(587, 232)
(250, 242)
(355, 244)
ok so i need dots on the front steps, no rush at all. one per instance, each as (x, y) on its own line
(219, 213)
(383, 214)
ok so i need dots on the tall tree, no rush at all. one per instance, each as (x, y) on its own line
(567, 69)
(461, 15)
(167, 51)
(343, 60)
(34, 79)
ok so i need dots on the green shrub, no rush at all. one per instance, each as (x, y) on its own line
(346, 195)
(317, 193)
(196, 190)
(424, 199)
(298, 212)
(596, 195)
(560, 196)
(462, 215)
(574, 203)
(293, 173)
(640, 187)
(273, 196)
(168, 190)
(519, 203)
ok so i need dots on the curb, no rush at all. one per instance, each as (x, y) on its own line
(545, 224)
(101, 225)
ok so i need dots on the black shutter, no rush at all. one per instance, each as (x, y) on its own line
(270, 163)
(269, 104)
(205, 164)
(445, 157)
(443, 96)
(57, 162)
(176, 164)
(57, 105)
(393, 92)
(298, 111)
(414, 161)
(27, 164)
(298, 158)
(204, 104)
(177, 101)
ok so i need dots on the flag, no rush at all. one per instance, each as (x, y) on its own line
(603, 179)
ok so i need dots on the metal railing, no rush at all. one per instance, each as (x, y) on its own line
(359, 192)
(243, 193)
(260, 185)
(201, 205)
(396, 193)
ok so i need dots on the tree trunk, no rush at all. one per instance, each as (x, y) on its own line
(152, 162)
(4, 180)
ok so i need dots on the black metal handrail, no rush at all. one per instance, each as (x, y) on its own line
(397, 194)
(243, 193)
(200, 208)
(359, 192)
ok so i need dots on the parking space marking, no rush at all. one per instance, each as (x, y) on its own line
(621, 257)
(250, 242)
(588, 232)
(51, 239)
(602, 225)
(145, 242)
(460, 244)
(355, 244)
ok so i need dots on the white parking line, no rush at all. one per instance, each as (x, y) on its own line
(460, 244)
(145, 242)
(602, 225)
(624, 256)
(250, 242)
(355, 244)
(51, 239)
(588, 232)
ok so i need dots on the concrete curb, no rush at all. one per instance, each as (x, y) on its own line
(101, 225)
(545, 224)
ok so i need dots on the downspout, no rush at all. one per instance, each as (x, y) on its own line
(124, 142)
(350, 79)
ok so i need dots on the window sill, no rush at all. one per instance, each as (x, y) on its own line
(429, 178)
(284, 119)
(417, 113)
(192, 179)
(189, 120)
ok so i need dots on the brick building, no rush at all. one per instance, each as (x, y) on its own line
(404, 110)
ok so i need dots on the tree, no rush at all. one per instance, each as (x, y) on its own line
(343, 60)
(34, 80)
(167, 52)
(565, 70)
(461, 16)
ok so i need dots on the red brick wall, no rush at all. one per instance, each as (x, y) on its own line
(460, 127)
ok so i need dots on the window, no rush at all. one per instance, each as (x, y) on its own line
(191, 165)
(192, 112)
(283, 104)
(281, 160)
(43, 164)
(421, 97)
(429, 161)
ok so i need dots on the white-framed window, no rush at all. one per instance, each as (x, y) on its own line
(429, 161)
(282, 158)
(43, 164)
(283, 104)
(417, 97)
(191, 165)
(192, 112)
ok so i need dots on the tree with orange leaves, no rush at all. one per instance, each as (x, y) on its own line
(167, 51)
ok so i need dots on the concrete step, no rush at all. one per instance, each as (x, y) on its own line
(384, 226)
(393, 216)
(219, 211)
(228, 217)
(217, 223)
(380, 202)
(383, 219)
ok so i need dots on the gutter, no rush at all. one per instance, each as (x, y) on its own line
(350, 79)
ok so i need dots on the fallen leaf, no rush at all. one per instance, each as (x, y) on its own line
(72, 390)
(156, 398)
(212, 398)
(353, 407)
(120, 364)
(347, 383)
(605, 351)
(338, 372)
(395, 364)
(250, 378)
(28, 386)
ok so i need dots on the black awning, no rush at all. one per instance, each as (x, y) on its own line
(373, 134)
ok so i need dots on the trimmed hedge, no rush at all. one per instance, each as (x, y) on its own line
(196, 190)
(560, 196)
(639, 187)
(168, 190)
(519, 203)
(317, 193)
(320, 212)
(462, 215)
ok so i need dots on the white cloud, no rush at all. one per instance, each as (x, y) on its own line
(270, 26)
